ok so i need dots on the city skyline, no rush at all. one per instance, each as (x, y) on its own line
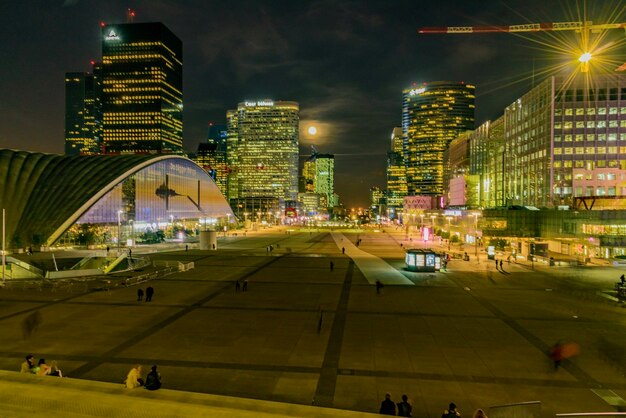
(367, 52)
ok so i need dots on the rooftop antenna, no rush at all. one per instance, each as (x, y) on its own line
(130, 16)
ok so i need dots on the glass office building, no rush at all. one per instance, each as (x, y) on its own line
(433, 114)
(396, 174)
(262, 148)
(82, 113)
(142, 69)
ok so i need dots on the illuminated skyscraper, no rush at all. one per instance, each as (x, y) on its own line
(319, 177)
(82, 116)
(433, 114)
(142, 89)
(396, 172)
(211, 156)
(263, 150)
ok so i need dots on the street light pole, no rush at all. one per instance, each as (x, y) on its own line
(476, 236)
(449, 231)
(119, 230)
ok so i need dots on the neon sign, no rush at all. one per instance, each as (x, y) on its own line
(413, 92)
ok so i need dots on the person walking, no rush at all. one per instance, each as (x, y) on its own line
(451, 412)
(237, 286)
(379, 286)
(139, 295)
(244, 288)
(556, 355)
(622, 279)
(387, 407)
(343, 250)
(153, 380)
(31, 323)
(332, 266)
(496, 264)
(149, 293)
(501, 265)
(405, 409)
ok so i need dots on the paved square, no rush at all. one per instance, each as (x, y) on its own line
(305, 334)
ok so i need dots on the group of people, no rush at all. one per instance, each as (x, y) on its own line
(405, 409)
(40, 368)
(388, 407)
(149, 294)
(134, 379)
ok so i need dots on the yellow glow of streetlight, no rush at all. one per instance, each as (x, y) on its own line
(584, 58)
(312, 130)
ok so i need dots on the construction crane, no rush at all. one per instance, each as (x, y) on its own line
(583, 27)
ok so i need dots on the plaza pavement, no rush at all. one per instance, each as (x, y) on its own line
(472, 335)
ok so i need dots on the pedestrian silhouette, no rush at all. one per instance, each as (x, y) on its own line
(343, 250)
(237, 286)
(387, 407)
(244, 288)
(496, 264)
(139, 295)
(622, 279)
(31, 323)
(379, 286)
(501, 265)
(332, 266)
(149, 293)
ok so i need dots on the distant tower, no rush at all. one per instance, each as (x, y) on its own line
(396, 173)
(319, 177)
(142, 68)
(82, 118)
(433, 114)
(211, 156)
(263, 150)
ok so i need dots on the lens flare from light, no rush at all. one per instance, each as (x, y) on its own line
(585, 57)
(312, 130)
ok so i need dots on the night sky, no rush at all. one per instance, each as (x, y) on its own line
(345, 62)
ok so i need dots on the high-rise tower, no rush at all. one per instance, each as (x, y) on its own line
(319, 177)
(396, 172)
(263, 150)
(82, 116)
(433, 114)
(142, 69)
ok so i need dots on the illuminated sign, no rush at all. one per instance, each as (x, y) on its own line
(112, 36)
(413, 92)
(452, 213)
(260, 103)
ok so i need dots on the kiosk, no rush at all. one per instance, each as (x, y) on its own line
(422, 260)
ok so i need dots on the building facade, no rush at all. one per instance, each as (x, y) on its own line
(262, 147)
(211, 156)
(433, 114)
(396, 174)
(319, 177)
(82, 113)
(142, 98)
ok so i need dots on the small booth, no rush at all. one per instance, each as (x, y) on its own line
(422, 260)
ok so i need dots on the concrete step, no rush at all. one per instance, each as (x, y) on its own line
(24, 395)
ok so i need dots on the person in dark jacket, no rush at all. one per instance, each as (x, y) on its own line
(149, 293)
(388, 407)
(404, 408)
(153, 380)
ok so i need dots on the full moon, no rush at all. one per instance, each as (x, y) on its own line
(312, 130)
